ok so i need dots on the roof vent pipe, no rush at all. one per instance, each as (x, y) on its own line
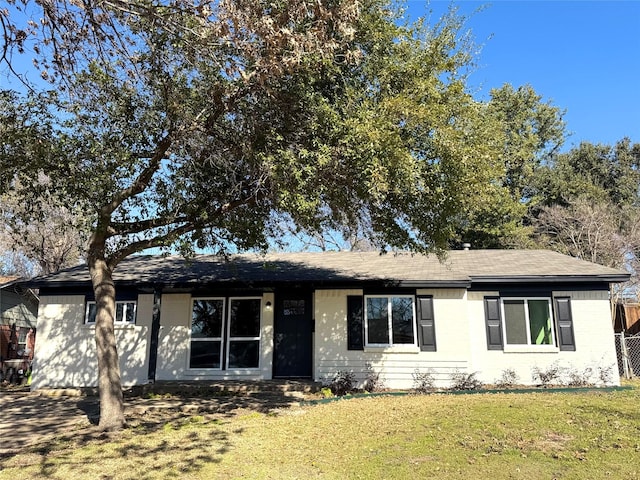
(466, 246)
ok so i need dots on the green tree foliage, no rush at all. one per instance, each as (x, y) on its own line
(41, 231)
(601, 173)
(529, 131)
(213, 124)
(588, 206)
(39, 234)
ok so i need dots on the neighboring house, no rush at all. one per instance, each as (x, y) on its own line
(311, 315)
(18, 313)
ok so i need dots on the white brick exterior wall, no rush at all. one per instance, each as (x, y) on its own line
(592, 329)
(65, 351)
(396, 367)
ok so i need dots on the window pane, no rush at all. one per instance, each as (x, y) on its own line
(402, 319)
(377, 320)
(206, 319)
(293, 307)
(91, 315)
(244, 353)
(515, 322)
(540, 322)
(205, 354)
(119, 310)
(130, 312)
(245, 318)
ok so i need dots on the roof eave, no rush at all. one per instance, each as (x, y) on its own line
(434, 283)
(607, 278)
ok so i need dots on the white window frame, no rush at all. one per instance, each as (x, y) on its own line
(124, 304)
(528, 346)
(390, 344)
(230, 338)
(207, 339)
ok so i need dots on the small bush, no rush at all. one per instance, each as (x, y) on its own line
(326, 392)
(373, 382)
(580, 379)
(465, 381)
(508, 379)
(423, 382)
(605, 374)
(342, 383)
(546, 376)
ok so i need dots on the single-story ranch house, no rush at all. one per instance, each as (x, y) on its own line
(311, 315)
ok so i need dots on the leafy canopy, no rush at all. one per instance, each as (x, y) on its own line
(214, 124)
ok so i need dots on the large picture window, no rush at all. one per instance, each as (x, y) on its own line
(125, 313)
(207, 315)
(527, 321)
(244, 332)
(389, 320)
(225, 328)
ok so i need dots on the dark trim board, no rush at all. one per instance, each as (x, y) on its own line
(534, 288)
(572, 279)
(155, 335)
(369, 287)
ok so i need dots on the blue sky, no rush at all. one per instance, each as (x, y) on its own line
(584, 56)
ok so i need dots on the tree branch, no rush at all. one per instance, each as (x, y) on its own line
(158, 241)
(142, 181)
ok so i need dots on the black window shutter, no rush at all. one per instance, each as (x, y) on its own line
(355, 318)
(426, 324)
(566, 339)
(494, 322)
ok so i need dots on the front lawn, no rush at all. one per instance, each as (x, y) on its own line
(534, 435)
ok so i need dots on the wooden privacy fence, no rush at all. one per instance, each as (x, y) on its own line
(627, 318)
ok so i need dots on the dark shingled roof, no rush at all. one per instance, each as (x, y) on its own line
(460, 267)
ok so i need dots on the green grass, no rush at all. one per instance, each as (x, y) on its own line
(582, 435)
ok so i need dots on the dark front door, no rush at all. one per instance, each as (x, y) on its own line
(293, 335)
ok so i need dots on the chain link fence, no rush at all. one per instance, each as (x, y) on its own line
(628, 350)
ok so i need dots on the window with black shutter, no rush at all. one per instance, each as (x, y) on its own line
(355, 318)
(493, 322)
(566, 340)
(426, 324)
(517, 323)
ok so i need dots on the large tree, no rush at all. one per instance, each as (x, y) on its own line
(213, 124)
(54, 238)
(599, 172)
(40, 234)
(597, 231)
(530, 131)
(588, 206)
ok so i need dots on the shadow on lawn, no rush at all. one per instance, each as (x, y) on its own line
(161, 445)
(164, 437)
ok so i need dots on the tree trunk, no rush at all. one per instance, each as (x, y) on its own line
(109, 384)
